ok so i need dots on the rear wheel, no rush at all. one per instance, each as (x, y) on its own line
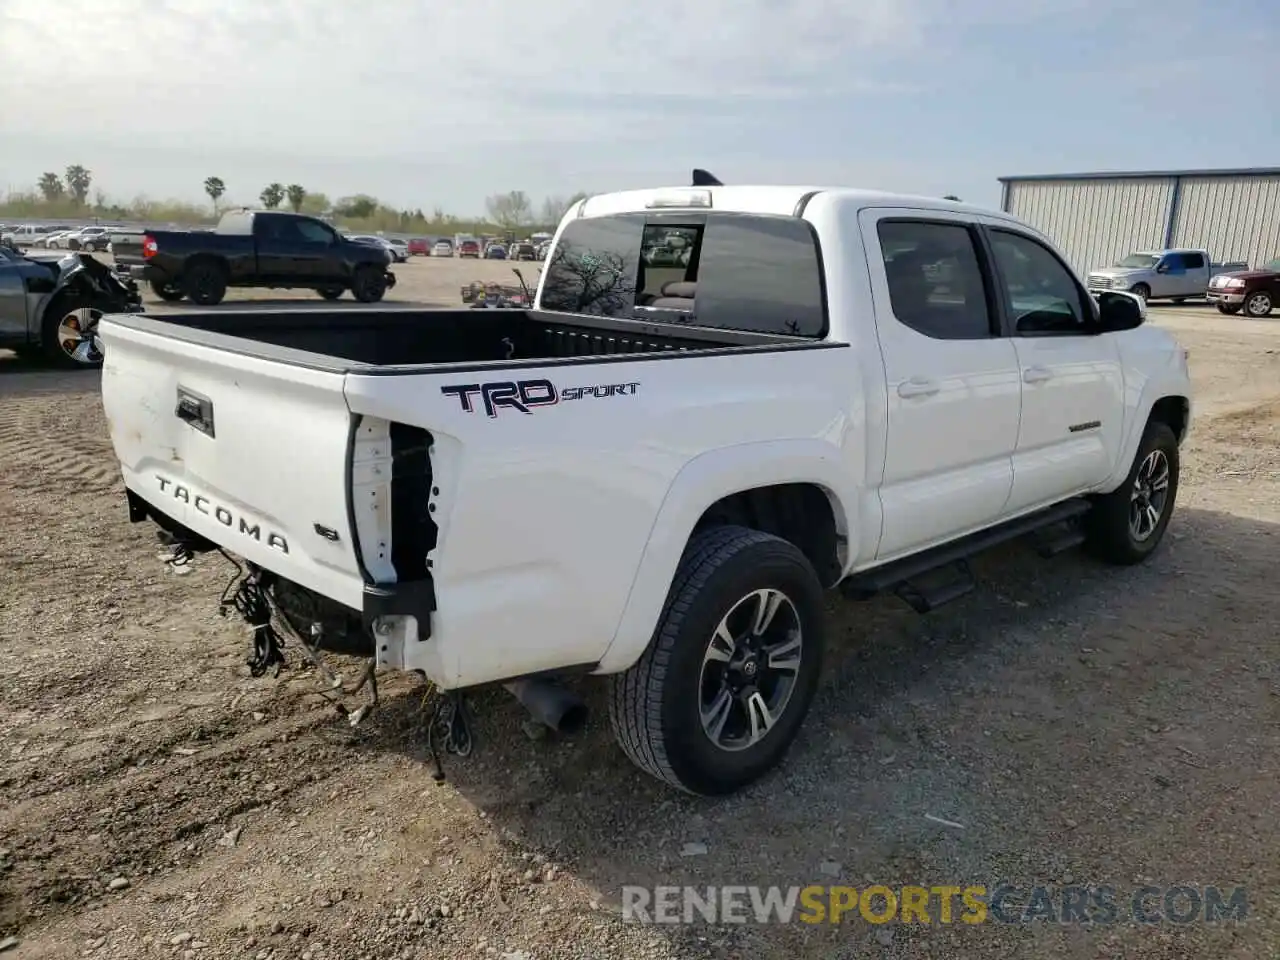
(205, 283)
(721, 692)
(369, 284)
(1258, 304)
(1125, 526)
(69, 334)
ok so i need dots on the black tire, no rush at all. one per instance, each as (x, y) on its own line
(62, 353)
(1258, 304)
(656, 705)
(1109, 527)
(1229, 308)
(205, 283)
(90, 247)
(369, 284)
(168, 292)
(1142, 290)
(331, 293)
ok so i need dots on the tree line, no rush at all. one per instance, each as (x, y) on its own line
(68, 195)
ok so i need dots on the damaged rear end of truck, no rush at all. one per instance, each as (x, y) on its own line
(484, 497)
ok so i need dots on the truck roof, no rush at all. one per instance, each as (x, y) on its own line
(776, 200)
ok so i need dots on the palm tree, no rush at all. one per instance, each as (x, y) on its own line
(272, 195)
(51, 186)
(296, 194)
(215, 188)
(78, 180)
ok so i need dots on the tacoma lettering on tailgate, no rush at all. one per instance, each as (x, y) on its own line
(224, 516)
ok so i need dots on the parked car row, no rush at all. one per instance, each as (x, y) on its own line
(488, 248)
(91, 239)
(1181, 274)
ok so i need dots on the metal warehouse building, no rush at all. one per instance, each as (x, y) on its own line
(1097, 218)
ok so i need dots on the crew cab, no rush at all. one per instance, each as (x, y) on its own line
(254, 248)
(655, 472)
(1253, 291)
(1176, 275)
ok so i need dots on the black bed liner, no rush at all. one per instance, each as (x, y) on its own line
(404, 340)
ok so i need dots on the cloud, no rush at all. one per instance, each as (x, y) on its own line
(411, 73)
(446, 100)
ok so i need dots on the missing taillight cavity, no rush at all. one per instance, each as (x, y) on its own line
(413, 530)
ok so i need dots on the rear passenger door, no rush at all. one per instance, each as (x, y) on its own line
(954, 389)
(1072, 380)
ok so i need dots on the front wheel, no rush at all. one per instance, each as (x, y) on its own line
(1125, 526)
(69, 334)
(1142, 290)
(1229, 308)
(1258, 304)
(720, 693)
(369, 284)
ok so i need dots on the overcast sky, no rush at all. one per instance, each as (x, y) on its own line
(441, 103)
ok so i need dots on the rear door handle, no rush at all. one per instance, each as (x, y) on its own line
(918, 387)
(1036, 375)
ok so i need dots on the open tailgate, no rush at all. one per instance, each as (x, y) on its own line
(248, 452)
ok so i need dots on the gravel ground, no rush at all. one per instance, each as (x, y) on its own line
(1076, 724)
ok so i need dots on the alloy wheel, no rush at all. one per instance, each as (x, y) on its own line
(749, 669)
(78, 335)
(1149, 495)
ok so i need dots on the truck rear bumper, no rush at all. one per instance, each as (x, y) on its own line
(383, 603)
(139, 272)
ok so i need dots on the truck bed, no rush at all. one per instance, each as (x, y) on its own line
(356, 339)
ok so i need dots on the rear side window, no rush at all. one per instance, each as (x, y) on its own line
(734, 272)
(1193, 261)
(935, 281)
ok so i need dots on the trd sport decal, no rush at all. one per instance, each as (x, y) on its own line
(525, 395)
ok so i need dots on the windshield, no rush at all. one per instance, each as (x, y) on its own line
(1139, 260)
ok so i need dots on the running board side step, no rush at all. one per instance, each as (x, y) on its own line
(927, 580)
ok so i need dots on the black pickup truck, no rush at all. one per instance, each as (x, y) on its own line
(255, 249)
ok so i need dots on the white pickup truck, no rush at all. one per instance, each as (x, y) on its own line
(655, 472)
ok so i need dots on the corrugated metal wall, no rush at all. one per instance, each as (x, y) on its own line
(1234, 218)
(1095, 222)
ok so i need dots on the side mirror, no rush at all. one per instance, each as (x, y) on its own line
(1162, 268)
(1118, 310)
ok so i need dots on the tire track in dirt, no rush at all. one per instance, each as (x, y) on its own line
(157, 813)
(40, 452)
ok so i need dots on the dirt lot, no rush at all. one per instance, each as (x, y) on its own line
(1081, 725)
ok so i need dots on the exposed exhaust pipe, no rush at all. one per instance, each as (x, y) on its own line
(550, 704)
